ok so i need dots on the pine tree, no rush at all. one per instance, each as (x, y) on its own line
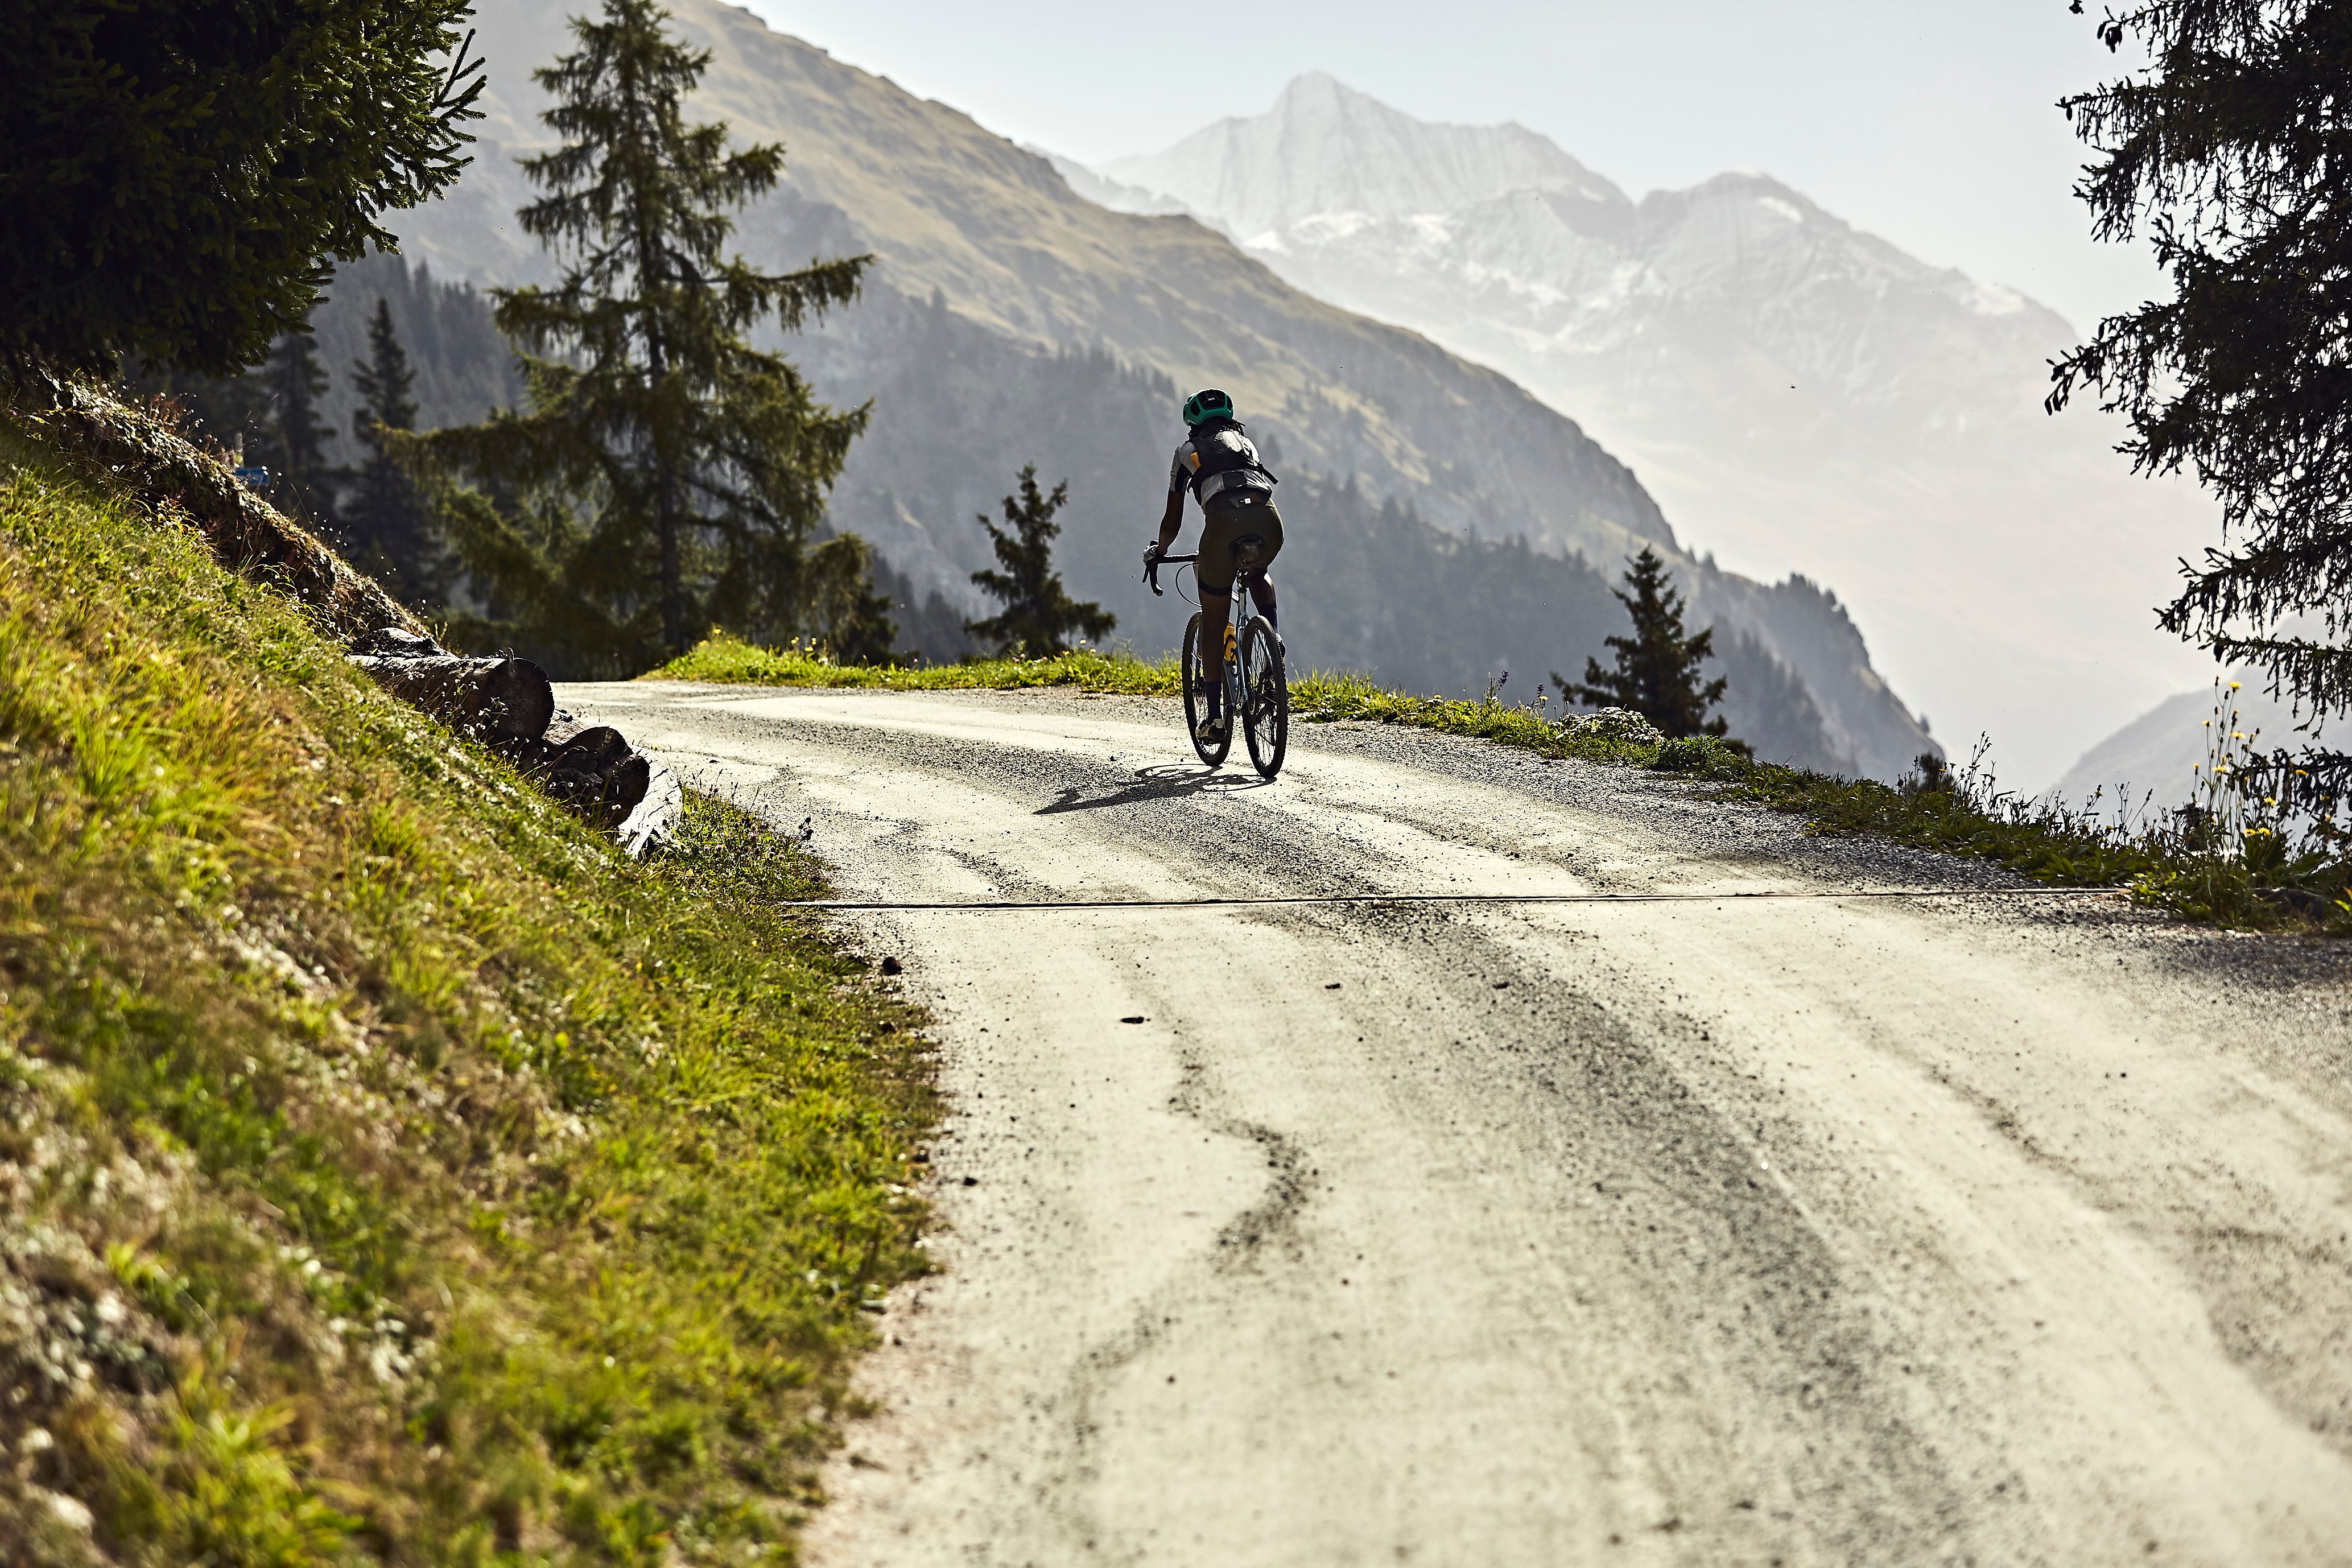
(385, 519)
(293, 437)
(2234, 148)
(173, 172)
(1657, 673)
(1039, 614)
(674, 475)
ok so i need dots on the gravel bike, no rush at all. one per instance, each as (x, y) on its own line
(1257, 689)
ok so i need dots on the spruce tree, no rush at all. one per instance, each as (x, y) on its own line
(670, 475)
(384, 519)
(1039, 616)
(1657, 674)
(173, 172)
(293, 437)
(2233, 149)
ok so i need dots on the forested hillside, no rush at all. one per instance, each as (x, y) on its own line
(1008, 322)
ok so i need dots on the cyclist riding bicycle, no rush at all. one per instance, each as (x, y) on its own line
(1219, 464)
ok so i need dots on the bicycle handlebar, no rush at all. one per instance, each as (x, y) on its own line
(1152, 563)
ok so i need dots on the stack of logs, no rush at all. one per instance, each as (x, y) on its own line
(509, 706)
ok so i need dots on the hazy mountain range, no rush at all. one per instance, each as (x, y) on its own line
(1452, 526)
(1796, 392)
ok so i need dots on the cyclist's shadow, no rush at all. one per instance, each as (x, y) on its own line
(1171, 782)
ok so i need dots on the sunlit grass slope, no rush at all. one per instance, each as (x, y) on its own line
(389, 1171)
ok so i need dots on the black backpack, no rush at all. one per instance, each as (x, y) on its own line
(1228, 461)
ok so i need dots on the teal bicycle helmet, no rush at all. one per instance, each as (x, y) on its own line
(1204, 406)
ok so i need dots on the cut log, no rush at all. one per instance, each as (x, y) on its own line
(493, 698)
(654, 823)
(590, 748)
(397, 642)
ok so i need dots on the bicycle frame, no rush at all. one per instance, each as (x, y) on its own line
(1237, 618)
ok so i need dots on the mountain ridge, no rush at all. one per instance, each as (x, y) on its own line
(1000, 235)
(1413, 166)
(1799, 392)
(991, 273)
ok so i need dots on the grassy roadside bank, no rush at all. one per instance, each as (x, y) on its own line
(1315, 697)
(390, 1172)
(2253, 878)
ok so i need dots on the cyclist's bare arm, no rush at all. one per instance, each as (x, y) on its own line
(1171, 522)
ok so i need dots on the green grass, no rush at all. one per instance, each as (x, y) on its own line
(390, 1172)
(724, 659)
(1325, 698)
(1318, 697)
(2261, 875)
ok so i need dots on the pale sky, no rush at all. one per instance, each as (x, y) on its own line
(1931, 125)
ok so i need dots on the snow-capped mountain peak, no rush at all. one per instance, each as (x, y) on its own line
(1796, 390)
(1326, 148)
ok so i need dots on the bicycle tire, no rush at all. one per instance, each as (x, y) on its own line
(1266, 697)
(1195, 677)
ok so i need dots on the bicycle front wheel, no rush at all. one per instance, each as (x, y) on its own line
(1266, 697)
(1197, 676)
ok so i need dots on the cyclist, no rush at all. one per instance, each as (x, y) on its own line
(1219, 463)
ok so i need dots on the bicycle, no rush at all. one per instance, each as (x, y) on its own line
(1257, 687)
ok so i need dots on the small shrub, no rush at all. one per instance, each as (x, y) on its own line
(1708, 756)
(1931, 775)
(1621, 726)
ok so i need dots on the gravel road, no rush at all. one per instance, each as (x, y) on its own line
(1810, 1229)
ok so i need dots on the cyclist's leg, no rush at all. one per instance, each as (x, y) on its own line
(1266, 524)
(1261, 587)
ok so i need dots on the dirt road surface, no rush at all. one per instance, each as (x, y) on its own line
(1810, 1229)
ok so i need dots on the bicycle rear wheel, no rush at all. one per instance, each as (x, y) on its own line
(1266, 697)
(1196, 683)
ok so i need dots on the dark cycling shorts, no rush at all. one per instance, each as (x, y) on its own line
(1227, 523)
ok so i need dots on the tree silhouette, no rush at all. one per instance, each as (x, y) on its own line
(293, 436)
(668, 476)
(172, 172)
(385, 519)
(2233, 148)
(859, 625)
(1657, 673)
(1039, 614)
